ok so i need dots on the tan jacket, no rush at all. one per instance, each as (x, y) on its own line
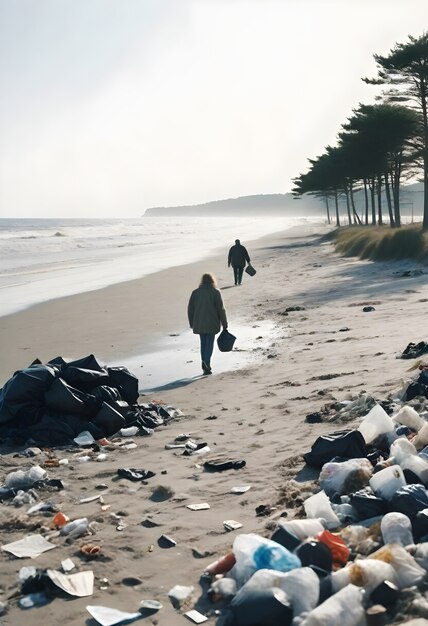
(206, 311)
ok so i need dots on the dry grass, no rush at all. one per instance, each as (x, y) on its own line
(381, 243)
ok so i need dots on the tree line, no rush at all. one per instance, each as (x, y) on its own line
(380, 145)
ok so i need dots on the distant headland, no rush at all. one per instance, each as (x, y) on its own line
(262, 204)
(277, 204)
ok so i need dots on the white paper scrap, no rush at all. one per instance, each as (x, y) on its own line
(67, 565)
(196, 617)
(230, 524)
(80, 584)
(198, 507)
(106, 616)
(240, 489)
(30, 547)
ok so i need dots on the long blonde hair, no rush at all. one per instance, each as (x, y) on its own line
(208, 279)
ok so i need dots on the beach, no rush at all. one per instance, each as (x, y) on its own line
(327, 349)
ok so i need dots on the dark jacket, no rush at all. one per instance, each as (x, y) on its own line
(238, 255)
(206, 310)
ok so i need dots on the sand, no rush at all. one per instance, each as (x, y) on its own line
(327, 350)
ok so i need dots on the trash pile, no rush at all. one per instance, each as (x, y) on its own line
(360, 557)
(50, 404)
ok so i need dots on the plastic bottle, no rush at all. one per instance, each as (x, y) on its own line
(72, 526)
(386, 482)
(222, 565)
(396, 528)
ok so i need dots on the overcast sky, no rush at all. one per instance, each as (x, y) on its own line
(109, 107)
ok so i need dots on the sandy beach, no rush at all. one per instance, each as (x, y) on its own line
(327, 350)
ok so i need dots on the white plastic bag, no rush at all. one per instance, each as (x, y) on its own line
(345, 477)
(302, 528)
(376, 422)
(408, 571)
(401, 448)
(344, 608)
(319, 505)
(301, 586)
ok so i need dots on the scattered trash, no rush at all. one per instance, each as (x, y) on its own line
(109, 617)
(230, 524)
(179, 595)
(135, 474)
(30, 547)
(196, 617)
(67, 565)
(34, 599)
(166, 542)
(221, 465)
(368, 309)
(198, 507)
(90, 550)
(240, 489)
(151, 605)
(79, 585)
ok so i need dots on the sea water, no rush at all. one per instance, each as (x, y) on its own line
(42, 259)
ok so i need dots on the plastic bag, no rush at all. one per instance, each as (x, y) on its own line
(366, 504)
(421, 439)
(421, 555)
(396, 528)
(302, 528)
(358, 539)
(225, 341)
(319, 505)
(338, 548)
(401, 448)
(344, 608)
(345, 477)
(407, 570)
(366, 573)
(268, 606)
(409, 500)
(253, 552)
(377, 422)
(348, 444)
(301, 586)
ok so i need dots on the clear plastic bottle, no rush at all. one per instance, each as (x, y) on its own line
(396, 528)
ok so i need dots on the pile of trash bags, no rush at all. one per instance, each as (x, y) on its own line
(51, 403)
(364, 539)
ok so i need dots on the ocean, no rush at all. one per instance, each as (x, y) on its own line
(42, 259)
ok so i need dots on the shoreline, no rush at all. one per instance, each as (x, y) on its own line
(123, 320)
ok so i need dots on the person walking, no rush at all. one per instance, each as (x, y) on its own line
(237, 258)
(206, 314)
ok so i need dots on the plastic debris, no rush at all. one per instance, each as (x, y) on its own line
(30, 547)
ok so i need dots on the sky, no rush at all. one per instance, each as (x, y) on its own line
(109, 107)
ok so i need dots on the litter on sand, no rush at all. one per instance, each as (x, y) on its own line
(30, 547)
(196, 617)
(240, 489)
(79, 585)
(230, 524)
(199, 507)
(106, 616)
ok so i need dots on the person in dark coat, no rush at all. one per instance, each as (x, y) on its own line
(206, 313)
(237, 258)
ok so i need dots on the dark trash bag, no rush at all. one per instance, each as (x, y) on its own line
(125, 382)
(225, 341)
(87, 362)
(366, 504)
(109, 420)
(63, 398)
(348, 444)
(250, 270)
(252, 607)
(409, 500)
(85, 379)
(23, 395)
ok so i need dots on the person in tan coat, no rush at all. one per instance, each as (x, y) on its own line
(206, 314)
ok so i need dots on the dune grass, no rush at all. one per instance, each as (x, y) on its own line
(381, 243)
